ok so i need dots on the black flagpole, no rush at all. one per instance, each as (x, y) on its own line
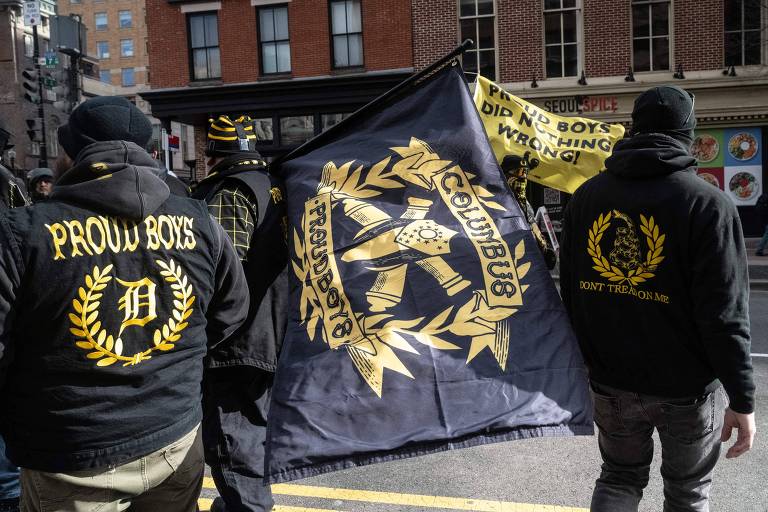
(320, 138)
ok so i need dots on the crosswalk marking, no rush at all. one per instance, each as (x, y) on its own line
(392, 498)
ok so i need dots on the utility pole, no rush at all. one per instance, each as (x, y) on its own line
(40, 110)
(74, 69)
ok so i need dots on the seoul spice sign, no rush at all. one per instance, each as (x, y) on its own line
(570, 149)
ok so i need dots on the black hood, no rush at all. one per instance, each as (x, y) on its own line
(649, 155)
(115, 178)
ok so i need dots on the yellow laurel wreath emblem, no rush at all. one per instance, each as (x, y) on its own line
(654, 239)
(105, 348)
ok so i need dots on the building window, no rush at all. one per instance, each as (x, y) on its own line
(29, 46)
(275, 41)
(53, 141)
(204, 44)
(105, 76)
(650, 35)
(101, 20)
(562, 34)
(743, 31)
(347, 33)
(477, 18)
(296, 130)
(125, 18)
(263, 130)
(102, 49)
(129, 77)
(126, 47)
(328, 120)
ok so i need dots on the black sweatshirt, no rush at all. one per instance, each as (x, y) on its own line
(654, 276)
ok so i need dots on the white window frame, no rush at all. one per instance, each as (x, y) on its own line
(120, 21)
(122, 48)
(98, 54)
(95, 22)
(670, 34)
(476, 38)
(579, 9)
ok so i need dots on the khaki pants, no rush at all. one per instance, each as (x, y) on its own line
(168, 480)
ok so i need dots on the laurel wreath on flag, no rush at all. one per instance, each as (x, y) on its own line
(486, 326)
(654, 238)
(107, 350)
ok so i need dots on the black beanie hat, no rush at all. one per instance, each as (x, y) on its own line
(665, 109)
(104, 118)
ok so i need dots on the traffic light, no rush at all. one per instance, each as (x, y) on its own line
(31, 85)
(32, 126)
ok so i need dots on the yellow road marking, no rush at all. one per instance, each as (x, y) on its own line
(205, 506)
(415, 500)
(391, 498)
(283, 508)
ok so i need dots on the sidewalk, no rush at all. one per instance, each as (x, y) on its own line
(758, 266)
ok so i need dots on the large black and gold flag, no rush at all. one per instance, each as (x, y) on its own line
(423, 317)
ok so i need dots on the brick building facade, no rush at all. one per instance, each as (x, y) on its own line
(16, 50)
(593, 57)
(117, 39)
(298, 66)
(117, 35)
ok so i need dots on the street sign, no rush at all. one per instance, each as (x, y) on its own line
(51, 59)
(32, 13)
(545, 224)
(173, 142)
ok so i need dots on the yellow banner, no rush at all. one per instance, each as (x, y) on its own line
(570, 150)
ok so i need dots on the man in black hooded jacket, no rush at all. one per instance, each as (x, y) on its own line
(248, 202)
(111, 292)
(654, 276)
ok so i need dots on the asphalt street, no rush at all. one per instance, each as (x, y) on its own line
(553, 475)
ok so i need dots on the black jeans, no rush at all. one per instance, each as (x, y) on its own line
(689, 430)
(235, 405)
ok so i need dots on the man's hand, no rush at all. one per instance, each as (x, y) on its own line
(745, 423)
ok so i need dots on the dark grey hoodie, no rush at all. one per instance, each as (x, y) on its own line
(110, 294)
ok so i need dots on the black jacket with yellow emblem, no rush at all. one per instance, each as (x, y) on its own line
(654, 276)
(110, 294)
(248, 201)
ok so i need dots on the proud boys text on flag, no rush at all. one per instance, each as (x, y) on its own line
(424, 317)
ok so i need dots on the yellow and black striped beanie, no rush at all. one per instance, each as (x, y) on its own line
(226, 137)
